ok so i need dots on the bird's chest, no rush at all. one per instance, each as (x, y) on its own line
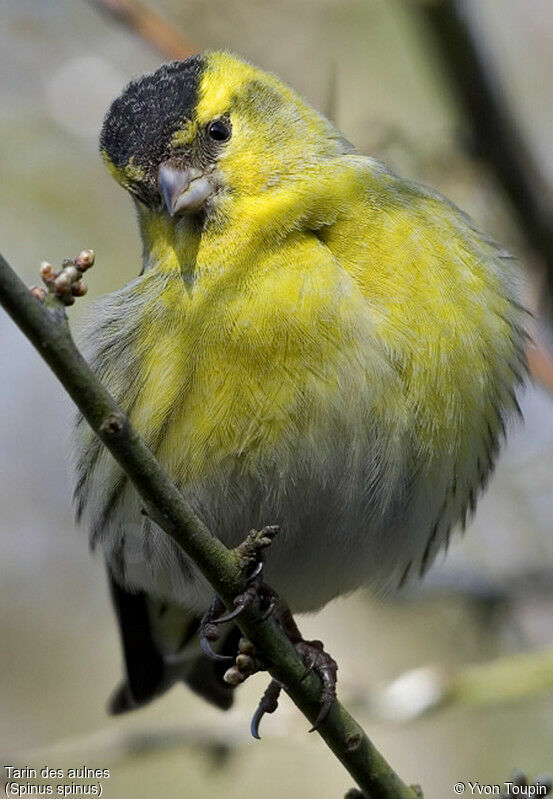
(267, 406)
(240, 374)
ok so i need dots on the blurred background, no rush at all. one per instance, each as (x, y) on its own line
(478, 633)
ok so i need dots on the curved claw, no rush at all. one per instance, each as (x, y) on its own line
(210, 653)
(257, 571)
(230, 616)
(319, 661)
(273, 602)
(323, 714)
(256, 719)
(267, 704)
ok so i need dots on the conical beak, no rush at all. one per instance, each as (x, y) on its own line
(184, 190)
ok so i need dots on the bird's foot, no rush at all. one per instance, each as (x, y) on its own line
(250, 556)
(319, 661)
(316, 660)
(255, 589)
(208, 631)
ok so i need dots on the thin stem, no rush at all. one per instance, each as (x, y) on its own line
(148, 25)
(495, 136)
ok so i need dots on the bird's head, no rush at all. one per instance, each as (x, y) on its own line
(200, 133)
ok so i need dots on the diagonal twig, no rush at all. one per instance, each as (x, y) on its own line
(495, 136)
(147, 25)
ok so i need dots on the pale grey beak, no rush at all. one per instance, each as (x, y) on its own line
(184, 190)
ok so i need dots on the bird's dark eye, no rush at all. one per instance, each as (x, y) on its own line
(219, 130)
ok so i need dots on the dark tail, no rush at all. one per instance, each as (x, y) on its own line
(160, 648)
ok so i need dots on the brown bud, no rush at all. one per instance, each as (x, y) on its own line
(244, 662)
(72, 273)
(246, 647)
(354, 742)
(233, 677)
(84, 260)
(47, 272)
(79, 289)
(62, 283)
(113, 423)
(38, 292)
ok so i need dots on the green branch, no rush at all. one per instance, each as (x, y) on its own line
(45, 325)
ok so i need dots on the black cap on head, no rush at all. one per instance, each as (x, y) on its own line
(142, 121)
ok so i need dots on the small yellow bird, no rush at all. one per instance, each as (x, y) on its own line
(312, 342)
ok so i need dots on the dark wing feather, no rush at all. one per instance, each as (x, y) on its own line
(149, 673)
